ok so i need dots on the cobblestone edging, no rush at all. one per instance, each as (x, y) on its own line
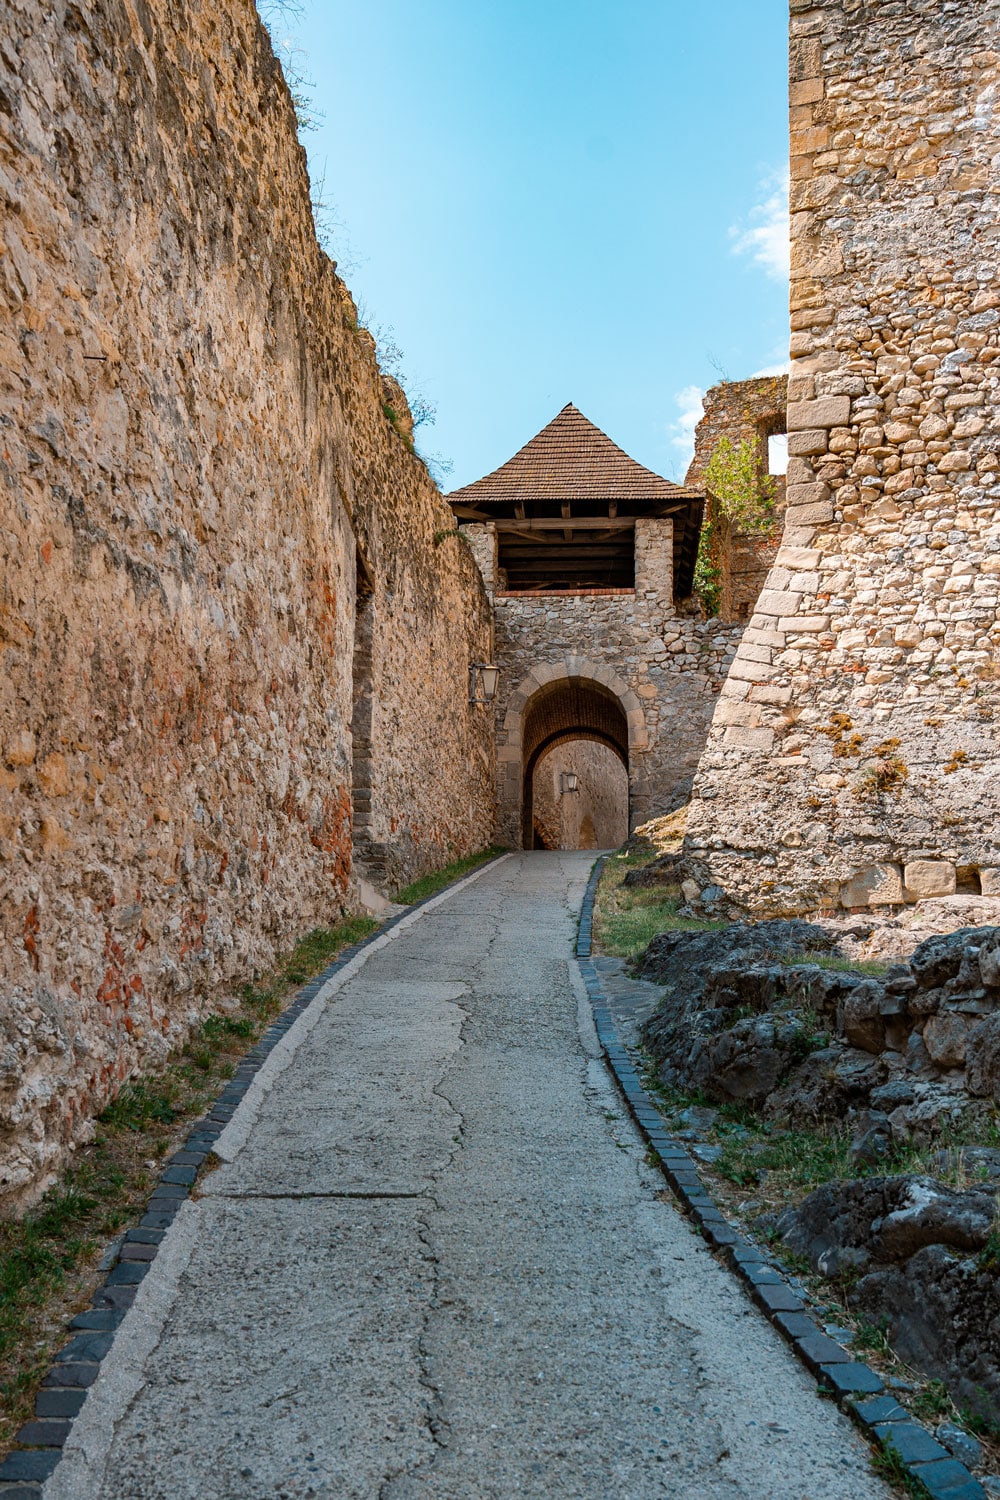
(77, 1365)
(856, 1388)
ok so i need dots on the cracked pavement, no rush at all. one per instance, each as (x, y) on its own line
(435, 1266)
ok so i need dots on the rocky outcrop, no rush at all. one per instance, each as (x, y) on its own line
(896, 1057)
(921, 1260)
(903, 1058)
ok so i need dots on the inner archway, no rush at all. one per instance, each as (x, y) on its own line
(579, 796)
(573, 710)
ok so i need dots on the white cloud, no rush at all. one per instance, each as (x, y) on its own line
(784, 368)
(764, 235)
(689, 405)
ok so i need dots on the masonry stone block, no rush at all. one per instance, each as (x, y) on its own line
(923, 878)
(810, 416)
(809, 443)
(807, 494)
(875, 885)
(809, 515)
(758, 740)
(776, 602)
(805, 624)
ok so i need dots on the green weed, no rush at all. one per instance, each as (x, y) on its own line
(800, 1158)
(888, 1465)
(427, 885)
(989, 1255)
(872, 966)
(138, 1105)
(873, 1336)
(47, 1258)
(933, 1401)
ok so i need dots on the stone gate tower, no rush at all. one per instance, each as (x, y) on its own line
(589, 560)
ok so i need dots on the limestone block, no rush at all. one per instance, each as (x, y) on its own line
(809, 91)
(749, 671)
(808, 444)
(765, 693)
(816, 514)
(877, 885)
(805, 624)
(804, 558)
(990, 882)
(807, 494)
(751, 739)
(729, 712)
(776, 602)
(924, 878)
(828, 411)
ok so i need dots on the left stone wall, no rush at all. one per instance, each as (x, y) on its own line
(193, 454)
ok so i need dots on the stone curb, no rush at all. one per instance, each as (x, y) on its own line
(75, 1368)
(855, 1387)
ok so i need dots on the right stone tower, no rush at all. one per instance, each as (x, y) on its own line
(853, 759)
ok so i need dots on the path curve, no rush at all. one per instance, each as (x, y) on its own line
(435, 1266)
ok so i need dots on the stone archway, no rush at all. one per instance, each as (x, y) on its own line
(557, 701)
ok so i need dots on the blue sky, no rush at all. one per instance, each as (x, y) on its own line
(550, 201)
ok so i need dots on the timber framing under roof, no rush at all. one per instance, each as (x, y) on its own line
(565, 508)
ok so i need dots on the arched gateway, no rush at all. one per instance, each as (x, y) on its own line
(560, 702)
(588, 558)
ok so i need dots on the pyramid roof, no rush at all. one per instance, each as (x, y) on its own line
(571, 459)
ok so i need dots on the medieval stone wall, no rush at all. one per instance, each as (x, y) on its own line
(740, 410)
(193, 453)
(853, 757)
(665, 667)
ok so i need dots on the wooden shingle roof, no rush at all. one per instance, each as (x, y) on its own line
(570, 459)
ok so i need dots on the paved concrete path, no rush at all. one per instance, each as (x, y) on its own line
(435, 1266)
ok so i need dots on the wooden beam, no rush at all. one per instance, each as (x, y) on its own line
(551, 541)
(567, 530)
(569, 564)
(552, 523)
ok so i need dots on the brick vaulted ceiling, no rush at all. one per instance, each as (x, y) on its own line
(572, 708)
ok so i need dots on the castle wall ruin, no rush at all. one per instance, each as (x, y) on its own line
(853, 758)
(198, 477)
(741, 411)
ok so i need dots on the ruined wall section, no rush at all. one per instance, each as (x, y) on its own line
(192, 451)
(740, 410)
(853, 757)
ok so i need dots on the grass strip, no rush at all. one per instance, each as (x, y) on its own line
(49, 1259)
(627, 918)
(429, 885)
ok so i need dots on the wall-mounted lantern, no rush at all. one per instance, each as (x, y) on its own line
(569, 781)
(483, 680)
